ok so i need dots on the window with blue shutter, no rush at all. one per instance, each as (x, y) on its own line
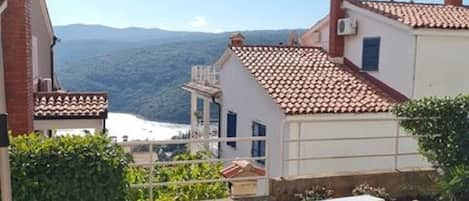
(258, 147)
(231, 127)
(370, 54)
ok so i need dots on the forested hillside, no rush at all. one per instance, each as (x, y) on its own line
(145, 77)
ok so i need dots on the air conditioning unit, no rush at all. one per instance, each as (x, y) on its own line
(346, 26)
(45, 85)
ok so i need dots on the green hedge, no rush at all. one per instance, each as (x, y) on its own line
(68, 168)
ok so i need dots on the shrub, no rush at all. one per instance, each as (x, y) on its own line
(365, 189)
(441, 126)
(316, 193)
(183, 172)
(68, 168)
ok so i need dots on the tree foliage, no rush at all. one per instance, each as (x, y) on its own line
(177, 173)
(441, 126)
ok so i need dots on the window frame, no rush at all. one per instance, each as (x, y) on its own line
(228, 131)
(258, 147)
(365, 66)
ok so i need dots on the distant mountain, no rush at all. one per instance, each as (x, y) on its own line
(131, 34)
(144, 77)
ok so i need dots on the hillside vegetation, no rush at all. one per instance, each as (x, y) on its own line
(145, 77)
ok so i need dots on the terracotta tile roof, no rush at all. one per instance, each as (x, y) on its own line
(420, 15)
(303, 81)
(69, 105)
(239, 167)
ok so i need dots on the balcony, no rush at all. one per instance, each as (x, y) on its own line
(205, 75)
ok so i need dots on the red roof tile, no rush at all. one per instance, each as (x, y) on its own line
(68, 105)
(420, 15)
(303, 81)
(239, 167)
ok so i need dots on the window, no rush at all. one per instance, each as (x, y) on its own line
(258, 147)
(231, 127)
(370, 54)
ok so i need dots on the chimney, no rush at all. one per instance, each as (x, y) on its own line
(336, 42)
(237, 39)
(453, 3)
(16, 37)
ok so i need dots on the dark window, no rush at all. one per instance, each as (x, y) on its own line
(370, 54)
(231, 127)
(258, 147)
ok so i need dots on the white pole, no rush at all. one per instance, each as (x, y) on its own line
(5, 178)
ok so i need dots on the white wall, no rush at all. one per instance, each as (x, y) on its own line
(331, 145)
(244, 96)
(442, 66)
(307, 39)
(2, 76)
(396, 51)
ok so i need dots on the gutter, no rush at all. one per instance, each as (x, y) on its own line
(219, 124)
(52, 64)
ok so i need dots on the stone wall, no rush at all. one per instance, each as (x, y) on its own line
(398, 184)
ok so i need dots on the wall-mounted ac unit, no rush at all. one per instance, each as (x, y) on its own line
(346, 26)
(45, 85)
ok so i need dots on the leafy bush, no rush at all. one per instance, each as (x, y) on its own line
(455, 184)
(441, 126)
(184, 172)
(365, 189)
(68, 168)
(316, 193)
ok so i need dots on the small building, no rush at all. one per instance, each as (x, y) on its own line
(29, 89)
(239, 170)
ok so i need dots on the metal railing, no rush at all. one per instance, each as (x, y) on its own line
(206, 75)
(396, 153)
(151, 185)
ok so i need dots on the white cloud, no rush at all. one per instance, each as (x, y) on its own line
(199, 21)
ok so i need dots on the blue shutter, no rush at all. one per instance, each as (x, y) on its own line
(231, 127)
(370, 54)
(258, 147)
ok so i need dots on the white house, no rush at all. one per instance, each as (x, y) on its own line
(325, 106)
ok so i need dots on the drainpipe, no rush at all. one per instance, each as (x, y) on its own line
(55, 39)
(5, 178)
(219, 124)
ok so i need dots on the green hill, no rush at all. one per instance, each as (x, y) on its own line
(147, 80)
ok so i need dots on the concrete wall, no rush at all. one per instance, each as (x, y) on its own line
(244, 96)
(347, 143)
(396, 51)
(406, 185)
(40, 29)
(442, 65)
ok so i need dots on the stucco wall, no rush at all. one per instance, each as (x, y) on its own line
(307, 39)
(242, 95)
(442, 66)
(40, 30)
(3, 108)
(396, 51)
(342, 143)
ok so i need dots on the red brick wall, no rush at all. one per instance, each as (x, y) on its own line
(16, 38)
(336, 42)
(453, 2)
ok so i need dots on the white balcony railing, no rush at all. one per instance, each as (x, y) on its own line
(151, 185)
(205, 75)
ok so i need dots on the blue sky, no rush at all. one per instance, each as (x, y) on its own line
(192, 15)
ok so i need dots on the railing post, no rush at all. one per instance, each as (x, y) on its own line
(150, 180)
(5, 177)
(396, 156)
